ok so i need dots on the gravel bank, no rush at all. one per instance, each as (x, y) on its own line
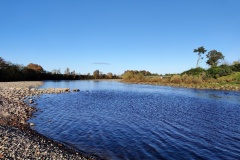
(17, 139)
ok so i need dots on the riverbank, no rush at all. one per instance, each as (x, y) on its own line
(214, 86)
(17, 139)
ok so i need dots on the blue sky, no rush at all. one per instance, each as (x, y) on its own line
(117, 35)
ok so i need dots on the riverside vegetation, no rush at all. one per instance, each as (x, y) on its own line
(224, 77)
(35, 72)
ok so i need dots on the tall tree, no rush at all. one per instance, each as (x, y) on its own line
(213, 57)
(200, 51)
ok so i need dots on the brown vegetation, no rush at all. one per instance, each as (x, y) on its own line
(231, 82)
(35, 67)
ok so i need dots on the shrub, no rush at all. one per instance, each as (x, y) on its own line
(235, 67)
(156, 79)
(226, 70)
(220, 71)
(132, 76)
(189, 79)
(127, 75)
(139, 76)
(166, 80)
(194, 71)
(237, 78)
(197, 79)
(176, 79)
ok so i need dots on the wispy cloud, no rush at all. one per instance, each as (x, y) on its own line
(101, 63)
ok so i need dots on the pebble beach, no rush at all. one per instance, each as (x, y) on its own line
(17, 139)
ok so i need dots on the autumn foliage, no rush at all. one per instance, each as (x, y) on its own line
(35, 67)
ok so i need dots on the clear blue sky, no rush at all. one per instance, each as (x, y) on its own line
(117, 35)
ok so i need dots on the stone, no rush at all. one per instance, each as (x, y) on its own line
(31, 101)
(33, 89)
(66, 89)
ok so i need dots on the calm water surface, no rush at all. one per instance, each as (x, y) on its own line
(125, 121)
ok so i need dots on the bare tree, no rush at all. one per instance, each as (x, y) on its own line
(67, 71)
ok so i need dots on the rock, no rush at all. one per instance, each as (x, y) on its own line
(62, 90)
(66, 89)
(76, 90)
(33, 89)
(31, 101)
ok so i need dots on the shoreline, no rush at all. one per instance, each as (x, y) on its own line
(225, 87)
(17, 139)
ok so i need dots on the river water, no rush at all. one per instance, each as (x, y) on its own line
(113, 120)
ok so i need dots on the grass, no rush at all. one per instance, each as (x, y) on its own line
(231, 82)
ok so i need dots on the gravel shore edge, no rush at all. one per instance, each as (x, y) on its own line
(17, 139)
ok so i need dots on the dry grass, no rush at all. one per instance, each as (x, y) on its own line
(231, 82)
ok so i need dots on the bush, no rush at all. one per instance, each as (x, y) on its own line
(176, 79)
(235, 67)
(235, 77)
(194, 71)
(139, 76)
(127, 75)
(216, 72)
(189, 79)
(226, 70)
(132, 76)
(197, 79)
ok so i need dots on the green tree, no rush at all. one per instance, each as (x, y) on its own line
(200, 50)
(96, 74)
(213, 57)
(194, 71)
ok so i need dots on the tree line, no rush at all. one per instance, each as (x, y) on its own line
(32, 72)
(194, 75)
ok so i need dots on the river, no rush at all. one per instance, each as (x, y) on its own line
(114, 120)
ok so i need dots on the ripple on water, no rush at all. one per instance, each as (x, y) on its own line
(122, 121)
